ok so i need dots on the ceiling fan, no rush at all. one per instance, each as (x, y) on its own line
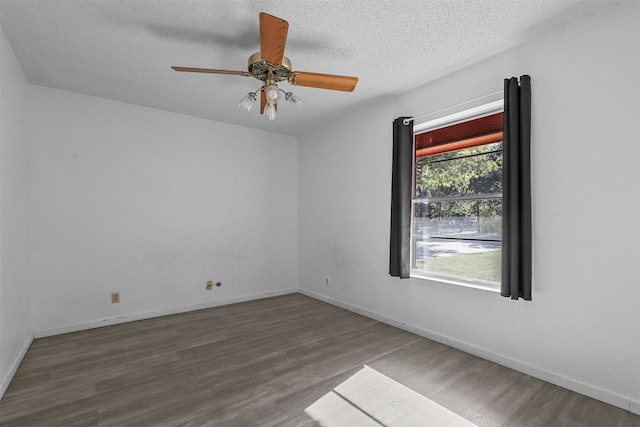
(271, 67)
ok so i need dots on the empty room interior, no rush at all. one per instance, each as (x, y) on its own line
(168, 259)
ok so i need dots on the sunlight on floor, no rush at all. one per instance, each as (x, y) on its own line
(369, 398)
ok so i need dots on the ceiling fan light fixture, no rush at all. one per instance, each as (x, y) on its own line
(247, 102)
(295, 100)
(272, 92)
(270, 111)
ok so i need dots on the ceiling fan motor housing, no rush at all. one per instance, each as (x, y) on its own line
(263, 70)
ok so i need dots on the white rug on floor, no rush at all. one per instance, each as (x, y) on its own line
(369, 398)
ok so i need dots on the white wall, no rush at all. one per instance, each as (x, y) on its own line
(152, 204)
(15, 315)
(582, 329)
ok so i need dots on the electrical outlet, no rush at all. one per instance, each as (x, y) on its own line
(115, 297)
(218, 283)
(209, 285)
(326, 281)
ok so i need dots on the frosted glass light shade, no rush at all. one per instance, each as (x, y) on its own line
(270, 111)
(247, 102)
(272, 92)
(297, 101)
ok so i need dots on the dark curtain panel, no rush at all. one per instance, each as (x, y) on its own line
(401, 185)
(516, 190)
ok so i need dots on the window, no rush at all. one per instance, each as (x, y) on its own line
(457, 198)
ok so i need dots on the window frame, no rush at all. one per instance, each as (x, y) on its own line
(437, 123)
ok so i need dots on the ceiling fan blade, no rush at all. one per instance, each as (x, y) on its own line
(211, 71)
(323, 81)
(263, 101)
(273, 37)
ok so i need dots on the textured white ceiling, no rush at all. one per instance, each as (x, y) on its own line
(123, 50)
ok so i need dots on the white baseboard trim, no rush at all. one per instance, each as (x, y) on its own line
(4, 385)
(589, 390)
(141, 316)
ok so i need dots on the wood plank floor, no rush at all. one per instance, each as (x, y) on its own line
(261, 363)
